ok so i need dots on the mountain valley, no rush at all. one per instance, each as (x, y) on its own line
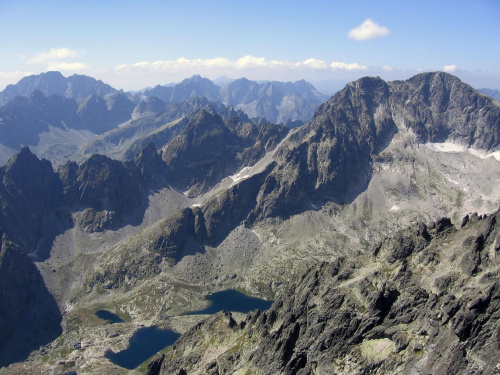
(164, 197)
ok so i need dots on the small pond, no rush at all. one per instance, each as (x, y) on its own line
(232, 300)
(145, 343)
(109, 316)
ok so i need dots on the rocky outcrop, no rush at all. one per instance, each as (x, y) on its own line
(109, 191)
(29, 316)
(408, 307)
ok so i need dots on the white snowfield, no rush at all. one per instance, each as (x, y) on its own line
(452, 147)
(241, 175)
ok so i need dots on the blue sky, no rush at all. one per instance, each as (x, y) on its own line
(134, 44)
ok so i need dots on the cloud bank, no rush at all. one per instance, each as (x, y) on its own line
(235, 66)
(368, 30)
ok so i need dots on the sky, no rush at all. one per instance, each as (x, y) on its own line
(135, 44)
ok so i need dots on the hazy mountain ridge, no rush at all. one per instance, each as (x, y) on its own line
(493, 93)
(26, 121)
(50, 83)
(277, 102)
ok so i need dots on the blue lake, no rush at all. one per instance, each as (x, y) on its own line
(232, 300)
(145, 343)
(109, 316)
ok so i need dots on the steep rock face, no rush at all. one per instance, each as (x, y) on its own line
(407, 308)
(30, 192)
(37, 204)
(23, 119)
(438, 107)
(29, 316)
(226, 210)
(330, 158)
(100, 115)
(319, 159)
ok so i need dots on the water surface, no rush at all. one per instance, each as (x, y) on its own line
(145, 343)
(232, 300)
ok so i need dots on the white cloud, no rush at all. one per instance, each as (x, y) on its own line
(343, 66)
(313, 64)
(73, 67)
(368, 30)
(388, 68)
(53, 55)
(450, 68)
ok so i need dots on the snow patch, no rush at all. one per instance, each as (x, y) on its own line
(446, 147)
(484, 155)
(394, 208)
(452, 147)
(241, 175)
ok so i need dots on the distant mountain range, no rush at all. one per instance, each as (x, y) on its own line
(56, 115)
(50, 83)
(277, 102)
(495, 94)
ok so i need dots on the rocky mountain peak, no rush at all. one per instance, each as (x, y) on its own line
(207, 115)
(27, 172)
(317, 161)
